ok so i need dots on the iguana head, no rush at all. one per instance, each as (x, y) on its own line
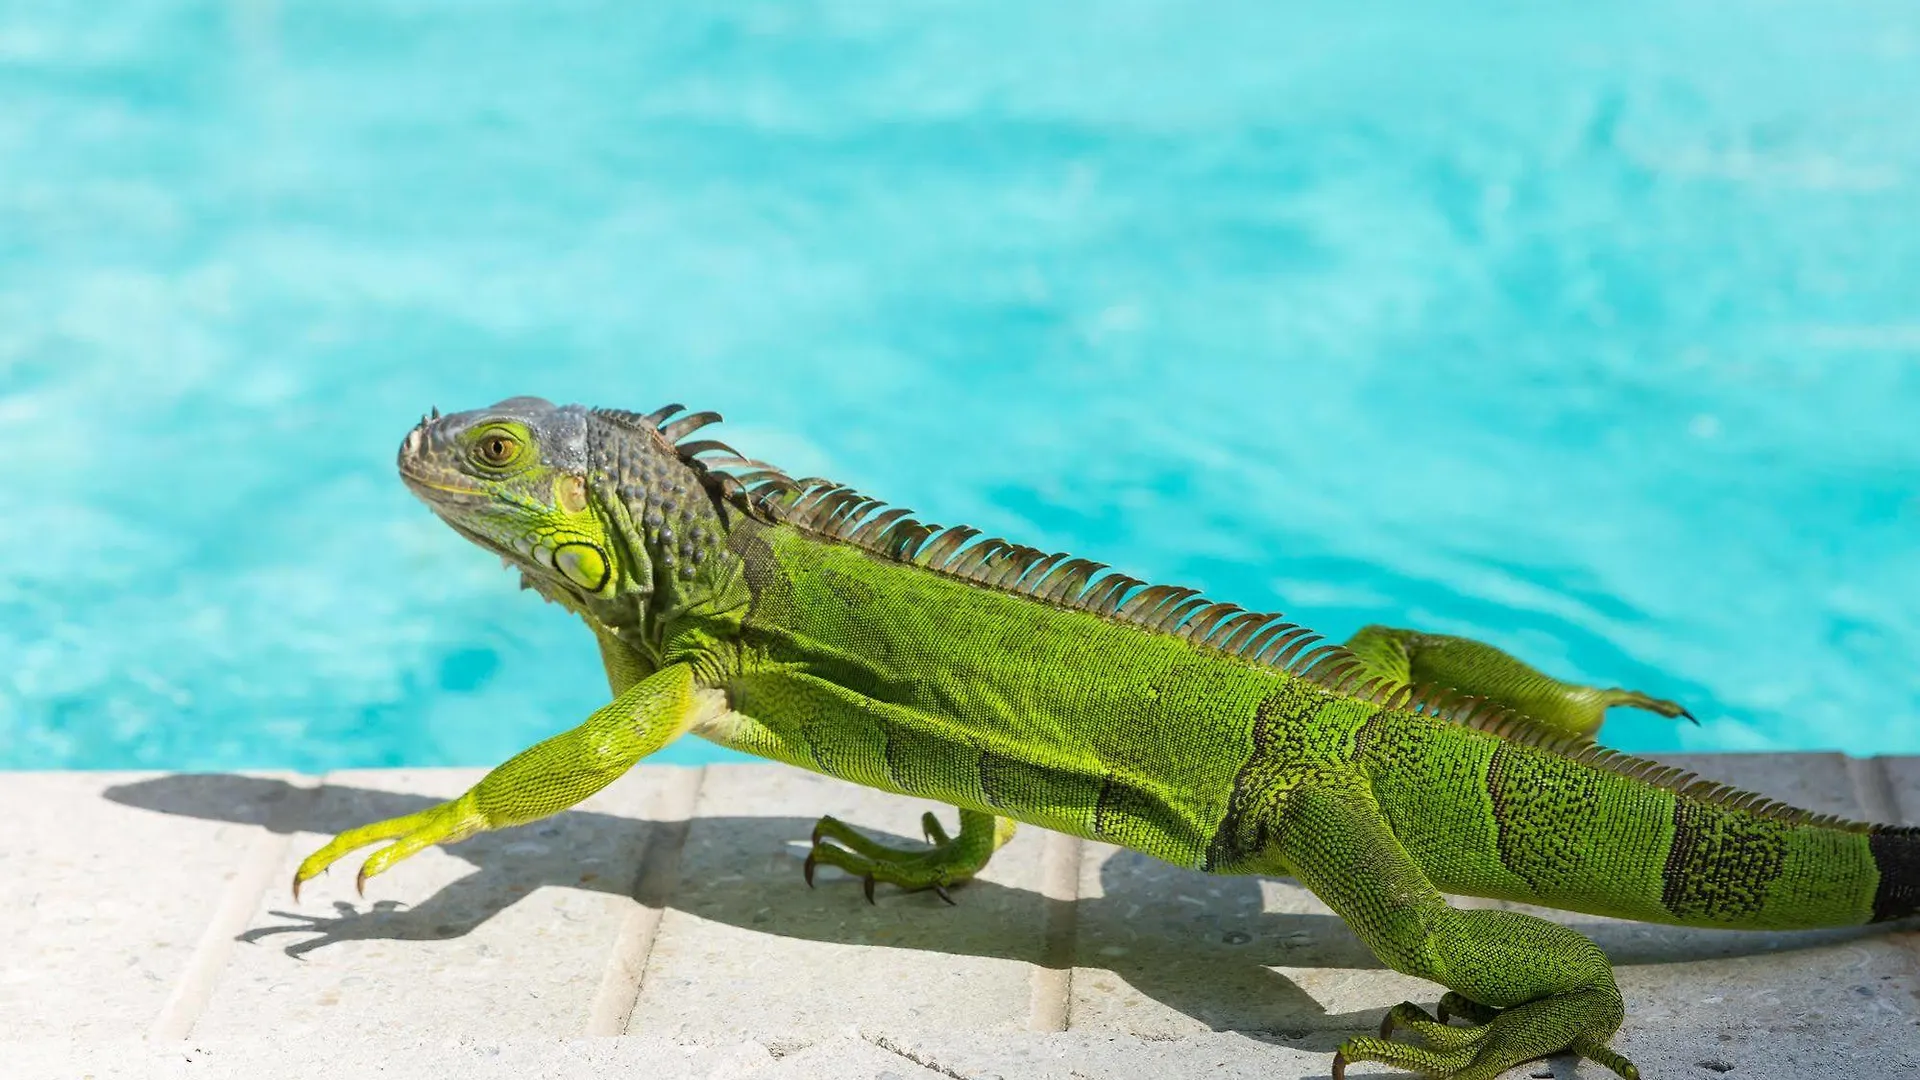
(514, 479)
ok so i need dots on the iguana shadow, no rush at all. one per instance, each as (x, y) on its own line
(1203, 945)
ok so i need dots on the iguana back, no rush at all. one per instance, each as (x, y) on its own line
(1052, 707)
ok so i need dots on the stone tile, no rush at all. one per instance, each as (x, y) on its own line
(1903, 778)
(507, 933)
(1868, 1048)
(484, 958)
(1819, 782)
(1078, 1055)
(471, 1057)
(849, 1056)
(745, 937)
(1836, 1051)
(406, 1057)
(108, 882)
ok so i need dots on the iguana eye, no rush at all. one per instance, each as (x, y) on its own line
(496, 448)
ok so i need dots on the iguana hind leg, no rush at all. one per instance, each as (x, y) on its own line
(947, 861)
(1536, 987)
(1441, 661)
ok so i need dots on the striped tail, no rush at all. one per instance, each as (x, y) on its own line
(1779, 868)
(1517, 812)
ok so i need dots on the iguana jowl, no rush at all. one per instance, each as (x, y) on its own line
(803, 622)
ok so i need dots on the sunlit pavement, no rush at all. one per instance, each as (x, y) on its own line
(663, 929)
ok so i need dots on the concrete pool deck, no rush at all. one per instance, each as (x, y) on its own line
(662, 930)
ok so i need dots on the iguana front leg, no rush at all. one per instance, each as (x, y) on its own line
(543, 779)
(1533, 987)
(1480, 670)
(948, 861)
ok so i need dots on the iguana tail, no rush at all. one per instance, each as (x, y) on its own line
(1519, 813)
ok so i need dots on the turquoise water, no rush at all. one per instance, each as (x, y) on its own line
(1594, 333)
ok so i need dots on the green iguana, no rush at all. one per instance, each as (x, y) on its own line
(803, 622)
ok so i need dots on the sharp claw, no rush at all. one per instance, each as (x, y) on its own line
(815, 837)
(866, 884)
(1339, 1066)
(941, 892)
(806, 869)
(296, 886)
(360, 882)
(1692, 719)
(436, 412)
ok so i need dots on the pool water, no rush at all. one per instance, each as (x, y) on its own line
(1593, 333)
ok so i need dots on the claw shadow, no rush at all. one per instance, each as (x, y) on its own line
(1203, 945)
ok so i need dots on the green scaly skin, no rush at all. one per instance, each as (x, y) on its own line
(1413, 658)
(803, 623)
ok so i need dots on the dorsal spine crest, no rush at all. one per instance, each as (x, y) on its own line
(835, 512)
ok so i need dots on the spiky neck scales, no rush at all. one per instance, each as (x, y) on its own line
(665, 512)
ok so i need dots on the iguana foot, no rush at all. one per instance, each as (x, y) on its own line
(1436, 1032)
(1442, 662)
(1485, 1049)
(454, 820)
(946, 862)
(1634, 699)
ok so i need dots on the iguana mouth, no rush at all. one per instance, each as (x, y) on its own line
(426, 481)
(415, 480)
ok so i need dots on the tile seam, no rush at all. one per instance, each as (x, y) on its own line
(1051, 988)
(266, 853)
(653, 885)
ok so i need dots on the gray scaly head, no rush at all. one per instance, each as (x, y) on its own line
(513, 479)
(597, 508)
